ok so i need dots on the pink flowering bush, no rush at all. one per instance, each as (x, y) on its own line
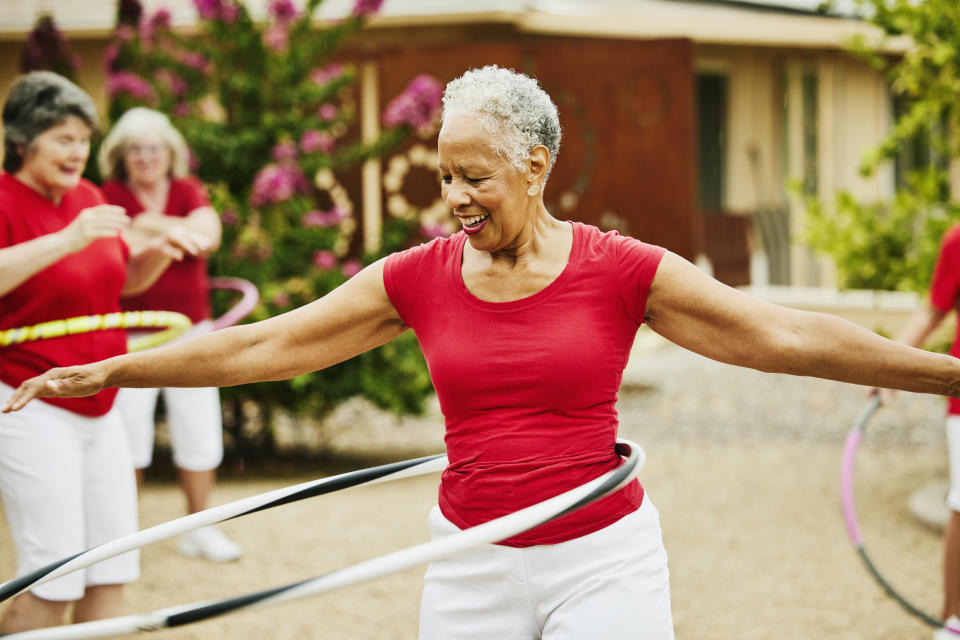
(269, 117)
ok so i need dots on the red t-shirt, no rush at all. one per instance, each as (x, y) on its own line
(945, 290)
(183, 287)
(88, 282)
(528, 388)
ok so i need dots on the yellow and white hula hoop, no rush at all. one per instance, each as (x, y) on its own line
(173, 323)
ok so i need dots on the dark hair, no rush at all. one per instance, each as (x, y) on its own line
(38, 101)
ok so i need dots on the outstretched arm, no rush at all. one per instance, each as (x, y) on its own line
(353, 318)
(696, 312)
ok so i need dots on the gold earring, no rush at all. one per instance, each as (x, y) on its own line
(533, 189)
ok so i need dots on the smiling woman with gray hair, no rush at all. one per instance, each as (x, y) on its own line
(65, 474)
(526, 323)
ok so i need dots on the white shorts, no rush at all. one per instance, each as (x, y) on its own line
(67, 485)
(611, 584)
(193, 419)
(953, 453)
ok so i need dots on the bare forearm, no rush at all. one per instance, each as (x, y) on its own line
(829, 347)
(22, 261)
(220, 359)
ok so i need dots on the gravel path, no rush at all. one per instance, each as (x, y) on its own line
(742, 466)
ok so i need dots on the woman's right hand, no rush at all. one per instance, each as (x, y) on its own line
(62, 382)
(93, 223)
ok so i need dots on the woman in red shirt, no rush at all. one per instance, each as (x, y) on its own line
(65, 473)
(144, 162)
(526, 322)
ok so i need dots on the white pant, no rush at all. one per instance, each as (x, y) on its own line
(953, 454)
(611, 584)
(67, 485)
(193, 418)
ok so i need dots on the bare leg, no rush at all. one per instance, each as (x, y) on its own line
(27, 611)
(197, 486)
(951, 566)
(139, 473)
(98, 602)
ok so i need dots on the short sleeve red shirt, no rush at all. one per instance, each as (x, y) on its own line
(945, 289)
(183, 287)
(528, 388)
(88, 282)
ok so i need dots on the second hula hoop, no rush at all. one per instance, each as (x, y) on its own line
(487, 533)
(850, 512)
(173, 324)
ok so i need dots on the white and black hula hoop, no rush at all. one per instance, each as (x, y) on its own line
(487, 533)
(850, 511)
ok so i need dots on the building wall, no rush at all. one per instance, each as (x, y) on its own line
(766, 142)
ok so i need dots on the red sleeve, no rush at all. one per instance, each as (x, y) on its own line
(636, 264)
(193, 195)
(946, 275)
(400, 280)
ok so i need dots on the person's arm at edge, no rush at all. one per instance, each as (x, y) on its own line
(355, 317)
(701, 314)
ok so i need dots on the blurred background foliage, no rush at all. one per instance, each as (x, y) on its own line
(893, 244)
(270, 116)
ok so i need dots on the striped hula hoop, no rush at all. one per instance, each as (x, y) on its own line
(175, 324)
(850, 511)
(487, 533)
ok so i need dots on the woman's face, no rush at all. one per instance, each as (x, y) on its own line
(147, 159)
(55, 160)
(485, 192)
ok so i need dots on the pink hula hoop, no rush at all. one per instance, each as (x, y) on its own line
(236, 313)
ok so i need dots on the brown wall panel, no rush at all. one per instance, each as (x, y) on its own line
(626, 108)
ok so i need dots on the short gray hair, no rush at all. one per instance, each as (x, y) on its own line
(128, 129)
(38, 101)
(512, 107)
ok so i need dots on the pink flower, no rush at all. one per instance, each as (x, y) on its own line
(176, 85)
(229, 217)
(313, 140)
(366, 7)
(181, 110)
(417, 105)
(285, 152)
(194, 60)
(277, 183)
(327, 111)
(351, 267)
(282, 10)
(120, 82)
(276, 37)
(223, 10)
(280, 300)
(317, 218)
(433, 230)
(110, 56)
(326, 74)
(159, 21)
(324, 259)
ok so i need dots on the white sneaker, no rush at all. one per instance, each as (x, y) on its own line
(209, 543)
(949, 631)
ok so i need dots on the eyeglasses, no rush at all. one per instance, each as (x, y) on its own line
(145, 149)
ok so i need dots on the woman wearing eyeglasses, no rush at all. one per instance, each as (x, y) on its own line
(144, 163)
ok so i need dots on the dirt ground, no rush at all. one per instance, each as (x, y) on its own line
(756, 543)
(750, 512)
